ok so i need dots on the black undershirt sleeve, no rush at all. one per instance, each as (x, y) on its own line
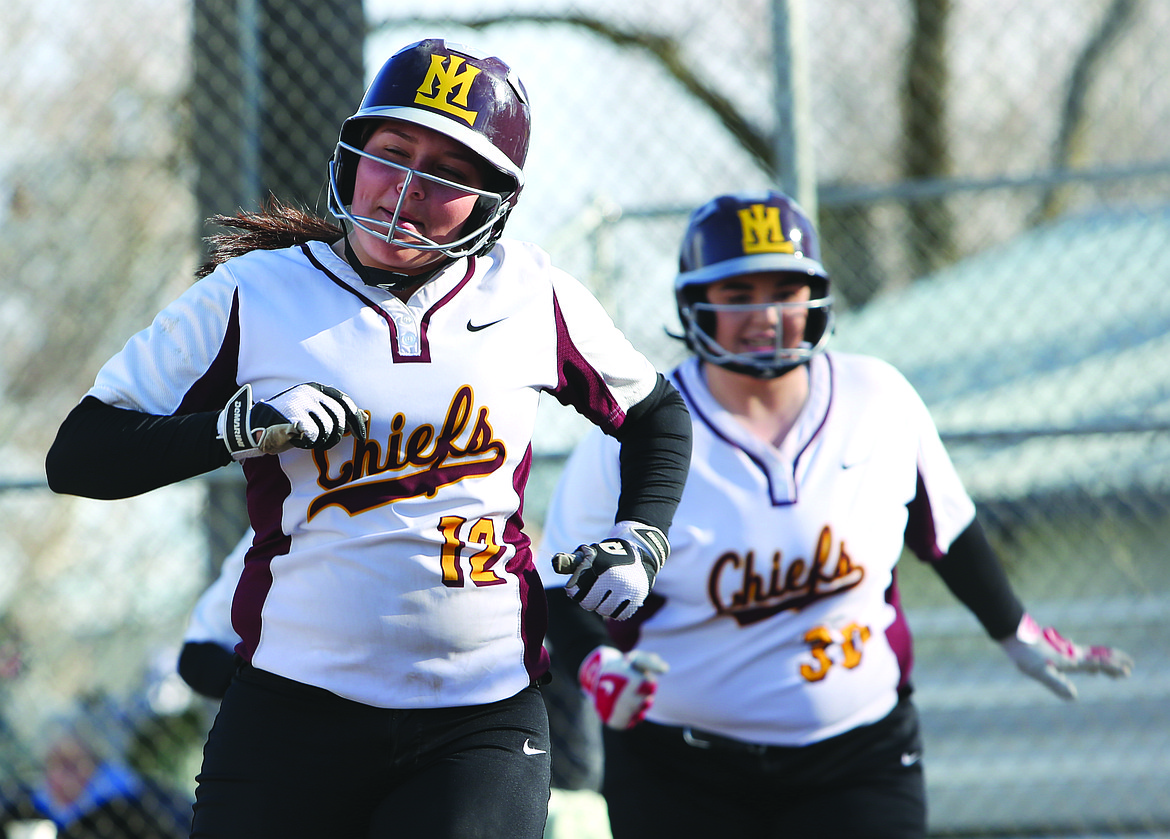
(655, 457)
(972, 571)
(654, 461)
(108, 453)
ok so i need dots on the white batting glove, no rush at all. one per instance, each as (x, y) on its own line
(305, 416)
(1046, 655)
(613, 577)
(622, 686)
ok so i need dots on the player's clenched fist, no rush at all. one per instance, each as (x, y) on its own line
(1046, 655)
(613, 577)
(621, 686)
(305, 416)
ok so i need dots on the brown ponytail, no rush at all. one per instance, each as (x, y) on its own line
(277, 225)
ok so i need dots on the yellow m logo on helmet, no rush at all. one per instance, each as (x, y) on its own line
(446, 86)
(762, 232)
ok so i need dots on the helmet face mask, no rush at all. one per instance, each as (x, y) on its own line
(743, 234)
(486, 215)
(762, 362)
(465, 95)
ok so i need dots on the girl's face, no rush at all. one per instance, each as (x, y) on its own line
(763, 329)
(431, 209)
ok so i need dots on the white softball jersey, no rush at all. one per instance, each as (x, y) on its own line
(393, 573)
(777, 610)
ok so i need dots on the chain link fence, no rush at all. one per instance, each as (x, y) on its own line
(990, 179)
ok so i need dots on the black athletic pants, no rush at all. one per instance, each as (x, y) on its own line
(286, 760)
(865, 783)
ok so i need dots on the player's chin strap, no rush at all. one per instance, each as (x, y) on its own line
(390, 280)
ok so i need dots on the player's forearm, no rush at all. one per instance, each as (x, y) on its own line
(106, 452)
(972, 571)
(655, 458)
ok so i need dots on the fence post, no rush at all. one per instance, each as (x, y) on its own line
(794, 161)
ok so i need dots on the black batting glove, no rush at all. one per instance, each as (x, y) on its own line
(305, 416)
(613, 577)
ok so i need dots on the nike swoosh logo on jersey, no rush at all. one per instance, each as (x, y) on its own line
(471, 327)
(529, 749)
(910, 758)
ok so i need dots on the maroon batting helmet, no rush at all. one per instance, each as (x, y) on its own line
(473, 98)
(750, 233)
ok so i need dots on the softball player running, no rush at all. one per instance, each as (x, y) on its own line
(379, 384)
(774, 635)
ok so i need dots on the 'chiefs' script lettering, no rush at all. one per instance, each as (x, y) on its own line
(420, 462)
(738, 590)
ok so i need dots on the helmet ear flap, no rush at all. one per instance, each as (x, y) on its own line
(356, 133)
(820, 319)
(694, 320)
(483, 210)
(344, 169)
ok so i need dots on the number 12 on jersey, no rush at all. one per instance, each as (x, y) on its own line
(480, 538)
